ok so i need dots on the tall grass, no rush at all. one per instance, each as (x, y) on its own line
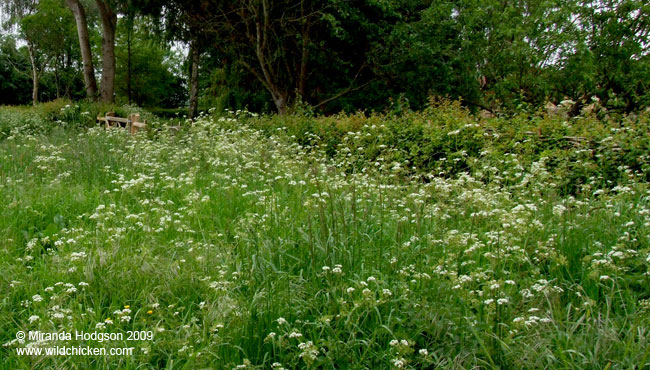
(241, 247)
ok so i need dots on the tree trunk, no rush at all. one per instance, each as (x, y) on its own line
(32, 60)
(262, 28)
(57, 82)
(109, 23)
(84, 44)
(302, 76)
(129, 38)
(128, 66)
(194, 79)
(280, 100)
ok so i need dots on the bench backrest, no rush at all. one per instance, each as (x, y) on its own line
(133, 123)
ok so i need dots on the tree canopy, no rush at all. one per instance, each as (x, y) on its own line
(333, 55)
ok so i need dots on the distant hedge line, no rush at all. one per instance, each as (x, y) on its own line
(589, 151)
(592, 150)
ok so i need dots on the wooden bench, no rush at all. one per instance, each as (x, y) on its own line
(132, 123)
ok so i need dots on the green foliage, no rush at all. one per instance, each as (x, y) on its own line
(48, 28)
(15, 83)
(495, 55)
(145, 61)
(61, 114)
(615, 35)
(19, 121)
(230, 87)
(501, 56)
(51, 28)
(236, 247)
(445, 139)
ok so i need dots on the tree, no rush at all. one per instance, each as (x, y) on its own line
(79, 13)
(271, 40)
(52, 32)
(185, 21)
(275, 41)
(49, 37)
(14, 74)
(108, 17)
(18, 10)
(614, 48)
(143, 73)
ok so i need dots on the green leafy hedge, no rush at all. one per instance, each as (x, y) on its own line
(446, 140)
(60, 113)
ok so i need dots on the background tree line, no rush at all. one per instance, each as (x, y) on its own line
(331, 55)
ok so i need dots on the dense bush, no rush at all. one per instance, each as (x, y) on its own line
(589, 150)
(17, 120)
(61, 113)
(445, 139)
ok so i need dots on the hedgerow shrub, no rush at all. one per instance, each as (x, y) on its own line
(61, 113)
(445, 140)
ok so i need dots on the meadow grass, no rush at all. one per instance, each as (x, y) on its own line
(243, 248)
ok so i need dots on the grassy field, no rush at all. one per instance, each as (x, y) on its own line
(243, 243)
